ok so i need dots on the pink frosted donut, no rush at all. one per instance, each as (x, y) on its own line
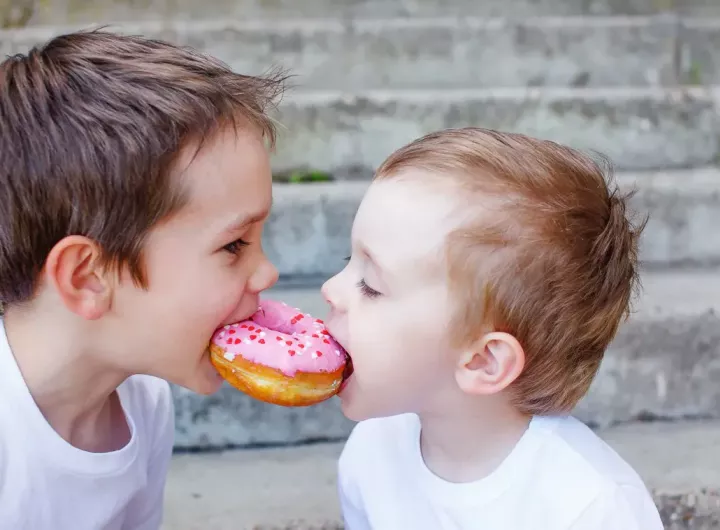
(280, 356)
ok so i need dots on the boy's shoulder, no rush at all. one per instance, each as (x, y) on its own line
(579, 450)
(579, 474)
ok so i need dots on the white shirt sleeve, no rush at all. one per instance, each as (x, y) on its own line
(623, 508)
(147, 510)
(350, 500)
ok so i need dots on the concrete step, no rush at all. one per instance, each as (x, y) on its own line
(664, 363)
(38, 12)
(638, 128)
(295, 488)
(447, 52)
(435, 53)
(308, 232)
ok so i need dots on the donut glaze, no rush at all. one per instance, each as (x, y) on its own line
(280, 355)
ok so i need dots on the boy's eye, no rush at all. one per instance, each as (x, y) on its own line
(236, 246)
(366, 290)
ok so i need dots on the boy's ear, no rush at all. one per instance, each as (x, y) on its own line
(75, 268)
(491, 365)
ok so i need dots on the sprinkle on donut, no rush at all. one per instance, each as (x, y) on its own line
(278, 336)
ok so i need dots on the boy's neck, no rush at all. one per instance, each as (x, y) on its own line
(75, 393)
(469, 445)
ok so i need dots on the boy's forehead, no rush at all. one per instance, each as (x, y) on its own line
(229, 176)
(400, 221)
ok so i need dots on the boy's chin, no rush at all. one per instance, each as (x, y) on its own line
(356, 409)
(207, 388)
(209, 381)
(205, 380)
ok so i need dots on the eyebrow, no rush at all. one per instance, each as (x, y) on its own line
(371, 258)
(244, 220)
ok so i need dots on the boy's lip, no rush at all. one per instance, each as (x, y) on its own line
(252, 308)
(347, 373)
(349, 369)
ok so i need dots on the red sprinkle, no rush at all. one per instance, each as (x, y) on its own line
(316, 336)
(231, 332)
(291, 352)
(278, 338)
(326, 341)
(301, 346)
(251, 328)
(319, 353)
(261, 341)
(229, 341)
(325, 332)
(288, 342)
(253, 337)
(237, 341)
(244, 326)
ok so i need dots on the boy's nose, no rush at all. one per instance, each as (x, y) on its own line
(264, 277)
(329, 293)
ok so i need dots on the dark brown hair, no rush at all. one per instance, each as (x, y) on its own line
(549, 254)
(90, 126)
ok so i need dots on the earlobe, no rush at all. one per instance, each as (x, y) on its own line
(74, 268)
(495, 361)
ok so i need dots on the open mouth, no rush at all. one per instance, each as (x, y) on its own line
(347, 372)
(349, 369)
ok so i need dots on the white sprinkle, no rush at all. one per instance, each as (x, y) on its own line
(229, 356)
(314, 355)
(247, 341)
(222, 334)
(337, 352)
(262, 333)
(226, 327)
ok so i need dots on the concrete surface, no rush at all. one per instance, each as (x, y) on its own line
(308, 232)
(442, 52)
(40, 12)
(433, 53)
(664, 363)
(296, 487)
(698, 45)
(638, 128)
(353, 130)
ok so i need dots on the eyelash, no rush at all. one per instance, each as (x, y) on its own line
(236, 246)
(366, 290)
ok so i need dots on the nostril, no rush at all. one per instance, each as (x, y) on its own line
(326, 294)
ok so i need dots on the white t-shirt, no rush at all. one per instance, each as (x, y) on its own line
(48, 484)
(560, 476)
